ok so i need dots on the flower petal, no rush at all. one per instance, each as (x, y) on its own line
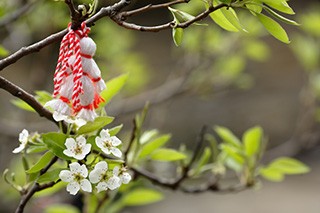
(80, 156)
(99, 142)
(19, 149)
(70, 144)
(104, 134)
(81, 140)
(116, 152)
(57, 116)
(66, 176)
(83, 171)
(116, 170)
(95, 175)
(73, 188)
(23, 136)
(115, 141)
(102, 186)
(102, 165)
(75, 167)
(113, 182)
(86, 149)
(125, 177)
(69, 153)
(85, 185)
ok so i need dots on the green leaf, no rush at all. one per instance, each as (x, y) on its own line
(218, 17)
(232, 17)
(205, 157)
(141, 196)
(148, 135)
(252, 140)
(22, 105)
(166, 154)
(113, 87)
(97, 124)
(280, 17)
(43, 96)
(177, 34)
(274, 28)
(37, 149)
(180, 15)
(55, 143)
(3, 51)
(153, 145)
(61, 208)
(115, 130)
(254, 8)
(233, 152)
(280, 5)
(289, 166)
(49, 176)
(271, 174)
(227, 136)
(42, 162)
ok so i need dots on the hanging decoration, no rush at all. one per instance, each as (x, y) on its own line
(77, 78)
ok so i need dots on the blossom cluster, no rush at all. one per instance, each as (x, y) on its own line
(78, 176)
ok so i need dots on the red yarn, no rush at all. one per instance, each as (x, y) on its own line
(70, 45)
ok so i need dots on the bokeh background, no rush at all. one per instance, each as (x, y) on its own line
(216, 77)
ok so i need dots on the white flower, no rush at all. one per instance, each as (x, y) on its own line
(108, 143)
(76, 178)
(99, 175)
(57, 116)
(122, 173)
(78, 148)
(23, 138)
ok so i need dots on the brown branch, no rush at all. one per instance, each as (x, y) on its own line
(36, 187)
(121, 17)
(176, 184)
(105, 11)
(133, 136)
(152, 7)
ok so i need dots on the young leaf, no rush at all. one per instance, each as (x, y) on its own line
(177, 34)
(271, 174)
(233, 153)
(205, 157)
(227, 136)
(274, 28)
(113, 87)
(49, 176)
(280, 5)
(61, 208)
(280, 17)
(232, 17)
(141, 196)
(97, 124)
(218, 17)
(115, 130)
(153, 145)
(42, 162)
(148, 135)
(251, 140)
(22, 105)
(289, 166)
(166, 154)
(55, 143)
(3, 51)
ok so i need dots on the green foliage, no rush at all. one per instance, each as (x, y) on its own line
(3, 51)
(43, 161)
(165, 154)
(55, 143)
(61, 208)
(95, 125)
(113, 87)
(280, 167)
(41, 96)
(141, 196)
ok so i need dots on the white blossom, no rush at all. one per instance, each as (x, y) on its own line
(100, 176)
(57, 116)
(123, 175)
(23, 139)
(108, 144)
(78, 148)
(76, 178)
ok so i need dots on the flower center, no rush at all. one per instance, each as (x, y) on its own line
(78, 149)
(107, 144)
(77, 177)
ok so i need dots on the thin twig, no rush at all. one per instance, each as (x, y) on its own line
(133, 137)
(152, 7)
(105, 11)
(35, 188)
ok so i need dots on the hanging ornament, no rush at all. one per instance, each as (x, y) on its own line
(77, 78)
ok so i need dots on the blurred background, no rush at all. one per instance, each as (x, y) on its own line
(215, 77)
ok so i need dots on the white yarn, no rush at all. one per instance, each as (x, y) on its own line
(87, 96)
(87, 115)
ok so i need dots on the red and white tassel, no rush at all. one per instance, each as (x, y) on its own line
(77, 78)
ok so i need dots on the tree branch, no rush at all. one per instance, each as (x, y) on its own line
(36, 187)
